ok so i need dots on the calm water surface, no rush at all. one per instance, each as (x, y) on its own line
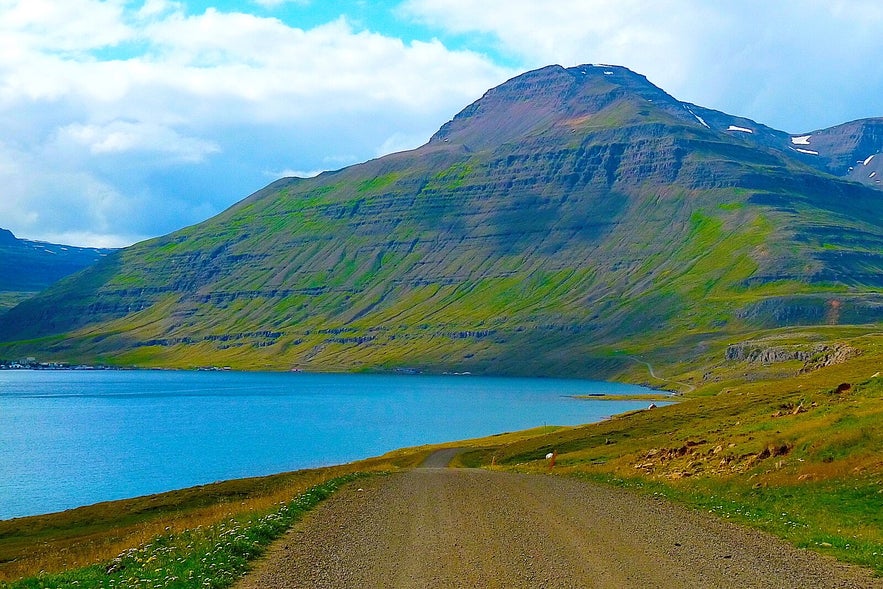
(71, 438)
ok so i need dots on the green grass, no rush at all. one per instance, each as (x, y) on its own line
(211, 557)
(377, 183)
(840, 518)
(89, 538)
(452, 178)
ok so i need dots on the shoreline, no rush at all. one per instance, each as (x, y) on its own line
(667, 397)
(707, 458)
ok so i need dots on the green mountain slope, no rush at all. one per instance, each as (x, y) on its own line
(566, 218)
(27, 267)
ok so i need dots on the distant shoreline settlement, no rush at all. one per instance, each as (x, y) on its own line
(33, 364)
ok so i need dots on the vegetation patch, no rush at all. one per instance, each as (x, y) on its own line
(77, 548)
(377, 183)
(797, 456)
(204, 557)
(841, 518)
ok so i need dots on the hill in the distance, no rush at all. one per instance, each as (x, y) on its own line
(565, 221)
(27, 267)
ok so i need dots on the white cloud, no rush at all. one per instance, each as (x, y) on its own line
(71, 25)
(289, 173)
(124, 136)
(401, 142)
(156, 8)
(277, 3)
(89, 239)
(33, 184)
(571, 32)
(132, 120)
(792, 63)
(292, 73)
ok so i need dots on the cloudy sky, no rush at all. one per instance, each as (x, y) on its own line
(126, 119)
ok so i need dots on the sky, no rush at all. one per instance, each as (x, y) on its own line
(122, 120)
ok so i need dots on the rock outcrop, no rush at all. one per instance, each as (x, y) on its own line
(813, 357)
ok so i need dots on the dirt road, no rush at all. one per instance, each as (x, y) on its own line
(438, 527)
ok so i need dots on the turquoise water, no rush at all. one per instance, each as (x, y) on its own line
(71, 438)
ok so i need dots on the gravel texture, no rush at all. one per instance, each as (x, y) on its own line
(438, 527)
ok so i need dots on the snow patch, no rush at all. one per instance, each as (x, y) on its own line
(868, 161)
(802, 140)
(872, 174)
(807, 151)
(698, 118)
(608, 73)
(740, 129)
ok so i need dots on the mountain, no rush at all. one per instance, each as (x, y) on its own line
(569, 218)
(27, 267)
(848, 151)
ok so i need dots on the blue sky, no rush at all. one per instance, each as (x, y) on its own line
(121, 120)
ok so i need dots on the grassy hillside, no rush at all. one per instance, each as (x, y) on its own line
(771, 446)
(564, 222)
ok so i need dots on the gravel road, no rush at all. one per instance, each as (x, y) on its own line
(439, 527)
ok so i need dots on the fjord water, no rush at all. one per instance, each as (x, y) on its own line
(71, 438)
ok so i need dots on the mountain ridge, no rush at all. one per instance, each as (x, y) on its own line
(566, 214)
(845, 150)
(27, 266)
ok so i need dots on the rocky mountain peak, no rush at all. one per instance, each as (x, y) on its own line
(851, 149)
(540, 99)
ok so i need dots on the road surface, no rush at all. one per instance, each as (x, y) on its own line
(440, 527)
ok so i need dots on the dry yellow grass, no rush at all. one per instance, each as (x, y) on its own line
(98, 533)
